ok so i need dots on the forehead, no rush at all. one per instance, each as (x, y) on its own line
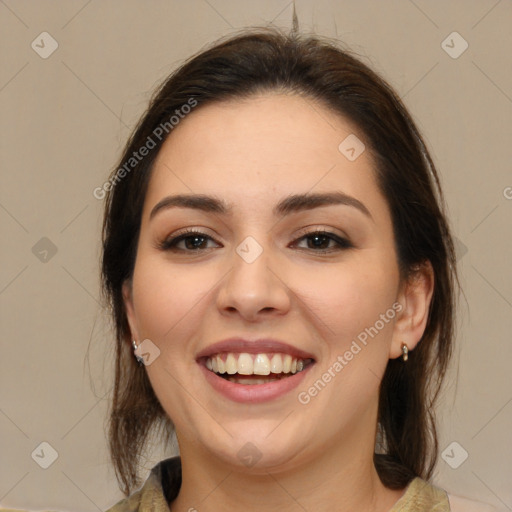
(254, 150)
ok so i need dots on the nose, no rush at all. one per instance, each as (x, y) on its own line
(253, 288)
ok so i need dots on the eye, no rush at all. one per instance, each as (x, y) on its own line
(192, 241)
(322, 241)
(319, 241)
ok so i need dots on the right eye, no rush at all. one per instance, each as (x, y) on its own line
(193, 241)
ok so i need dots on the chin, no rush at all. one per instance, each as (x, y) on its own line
(253, 450)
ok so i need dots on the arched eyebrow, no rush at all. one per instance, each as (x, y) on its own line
(291, 204)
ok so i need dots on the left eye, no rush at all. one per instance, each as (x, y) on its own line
(320, 241)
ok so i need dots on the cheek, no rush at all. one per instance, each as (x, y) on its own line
(166, 298)
(349, 298)
(348, 306)
(169, 303)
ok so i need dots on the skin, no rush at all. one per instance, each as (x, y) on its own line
(251, 154)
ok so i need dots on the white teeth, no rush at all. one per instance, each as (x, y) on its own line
(231, 364)
(254, 364)
(261, 365)
(245, 364)
(221, 366)
(276, 364)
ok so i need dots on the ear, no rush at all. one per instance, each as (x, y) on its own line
(415, 297)
(129, 308)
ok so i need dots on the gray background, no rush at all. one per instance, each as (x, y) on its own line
(64, 121)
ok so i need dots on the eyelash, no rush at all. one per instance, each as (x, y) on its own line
(170, 244)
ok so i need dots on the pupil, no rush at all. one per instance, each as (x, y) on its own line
(316, 238)
(195, 239)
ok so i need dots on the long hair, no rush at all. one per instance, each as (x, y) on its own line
(267, 60)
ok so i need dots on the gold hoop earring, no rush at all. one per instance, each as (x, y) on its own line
(405, 352)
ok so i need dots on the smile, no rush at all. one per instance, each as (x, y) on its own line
(254, 369)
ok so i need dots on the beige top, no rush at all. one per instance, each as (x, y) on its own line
(420, 496)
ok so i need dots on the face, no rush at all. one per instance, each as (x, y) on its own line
(286, 262)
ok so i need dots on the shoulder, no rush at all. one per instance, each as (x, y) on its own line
(422, 496)
(154, 495)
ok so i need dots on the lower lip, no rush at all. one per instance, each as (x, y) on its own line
(254, 393)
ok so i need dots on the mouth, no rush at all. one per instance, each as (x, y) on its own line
(254, 371)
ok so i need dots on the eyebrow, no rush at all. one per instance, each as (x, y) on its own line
(288, 205)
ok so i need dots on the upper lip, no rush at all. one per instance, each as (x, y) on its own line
(258, 346)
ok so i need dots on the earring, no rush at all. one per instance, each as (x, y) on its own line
(405, 352)
(140, 360)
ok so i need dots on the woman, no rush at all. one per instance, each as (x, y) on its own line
(282, 280)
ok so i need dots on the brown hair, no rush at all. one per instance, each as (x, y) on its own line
(268, 60)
